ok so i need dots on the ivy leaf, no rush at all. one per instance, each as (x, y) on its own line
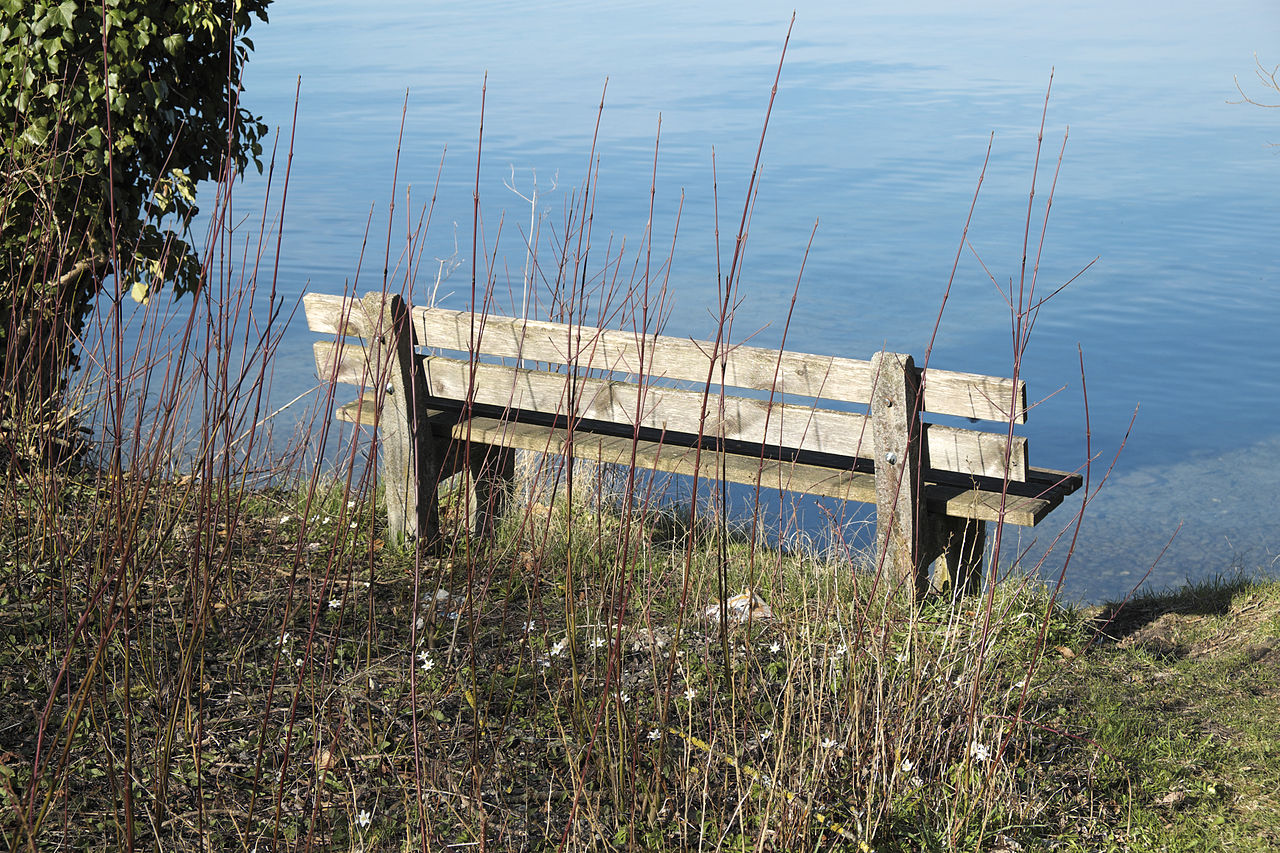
(36, 133)
(67, 12)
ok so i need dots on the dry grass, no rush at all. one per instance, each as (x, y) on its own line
(317, 686)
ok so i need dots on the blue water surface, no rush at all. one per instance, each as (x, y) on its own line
(878, 134)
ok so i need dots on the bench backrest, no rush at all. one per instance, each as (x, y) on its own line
(778, 399)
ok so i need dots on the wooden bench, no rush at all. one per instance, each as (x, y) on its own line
(449, 390)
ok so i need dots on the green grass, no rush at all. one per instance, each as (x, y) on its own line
(1182, 710)
(268, 683)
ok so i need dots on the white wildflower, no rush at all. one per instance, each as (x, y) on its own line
(980, 751)
(335, 603)
(907, 765)
(624, 698)
(364, 819)
(285, 519)
(775, 647)
(689, 693)
(559, 647)
(298, 663)
(531, 625)
(765, 735)
(827, 743)
(902, 657)
(654, 734)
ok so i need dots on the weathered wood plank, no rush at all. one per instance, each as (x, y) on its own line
(674, 459)
(942, 499)
(1047, 479)
(977, 454)
(334, 315)
(363, 411)
(973, 395)
(787, 373)
(967, 395)
(659, 408)
(343, 362)
(789, 426)
(768, 473)
(985, 506)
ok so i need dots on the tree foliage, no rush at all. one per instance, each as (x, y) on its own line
(114, 110)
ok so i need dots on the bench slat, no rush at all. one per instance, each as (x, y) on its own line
(948, 499)
(781, 425)
(985, 506)
(673, 459)
(967, 395)
(1044, 489)
(954, 501)
(787, 426)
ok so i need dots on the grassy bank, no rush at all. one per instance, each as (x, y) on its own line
(276, 678)
(1179, 697)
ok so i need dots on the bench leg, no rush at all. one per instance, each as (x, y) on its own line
(902, 521)
(430, 473)
(410, 474)
(492, 471)
(410, 459)
(959, 569)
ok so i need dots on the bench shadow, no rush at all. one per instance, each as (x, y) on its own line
(1155, 620)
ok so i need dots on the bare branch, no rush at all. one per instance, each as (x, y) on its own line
(1269, 80)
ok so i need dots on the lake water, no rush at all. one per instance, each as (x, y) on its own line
(878, 134)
